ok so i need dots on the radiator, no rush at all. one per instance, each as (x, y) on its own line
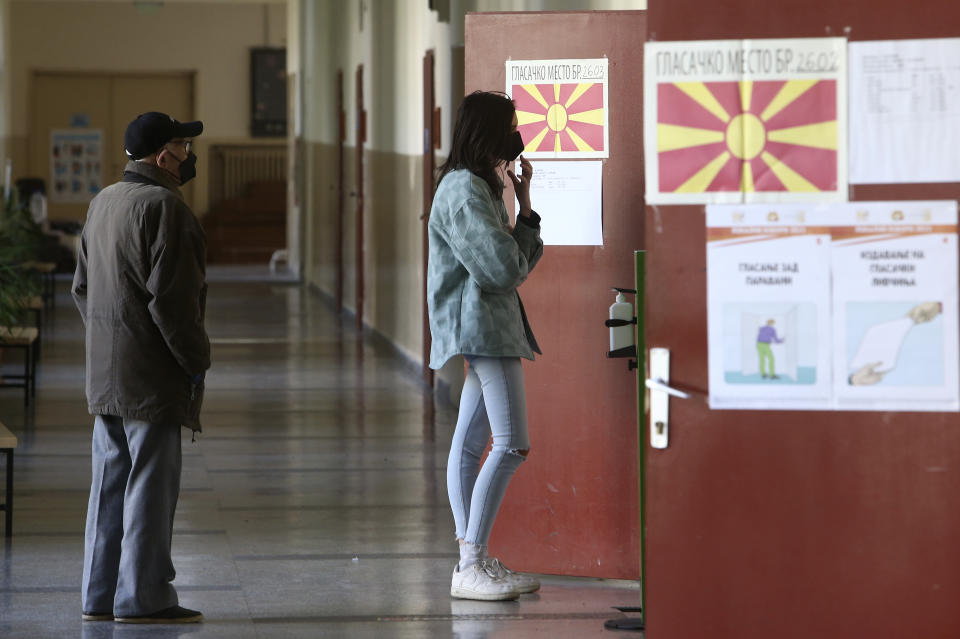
(233, 167)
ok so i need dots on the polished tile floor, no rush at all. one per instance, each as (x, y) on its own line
(313, 505)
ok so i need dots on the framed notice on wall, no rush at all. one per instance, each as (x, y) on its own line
(268, 92)
(76, 173)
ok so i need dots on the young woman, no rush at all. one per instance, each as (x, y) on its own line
(477, 260)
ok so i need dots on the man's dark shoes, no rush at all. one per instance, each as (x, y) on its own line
(175, 614)
(96, 616)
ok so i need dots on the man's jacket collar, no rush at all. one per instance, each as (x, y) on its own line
(153, 174)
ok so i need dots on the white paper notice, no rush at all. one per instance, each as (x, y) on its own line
(562, 107)
(745, 121)
(768, 308)
(569, 198)
(895, 321)
(904, 111)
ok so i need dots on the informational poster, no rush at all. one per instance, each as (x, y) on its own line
(562, 107)
(905, 111)
(895, 306)
(738, 121)
(849, 306)
(76, 173)
(569, 198)
(768, 282)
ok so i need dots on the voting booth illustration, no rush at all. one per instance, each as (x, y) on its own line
(768, 345)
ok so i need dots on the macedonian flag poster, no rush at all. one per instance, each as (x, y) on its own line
(561, 107)
(732, 121)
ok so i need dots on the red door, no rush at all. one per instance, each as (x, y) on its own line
(573, 507)
(788, 524)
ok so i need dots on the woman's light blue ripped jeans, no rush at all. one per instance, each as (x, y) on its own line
(493, 401)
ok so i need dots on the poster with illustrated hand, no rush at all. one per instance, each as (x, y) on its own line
(768, 307)
(895, 303)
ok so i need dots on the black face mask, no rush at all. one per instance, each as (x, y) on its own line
(188, 168)
(513, 148)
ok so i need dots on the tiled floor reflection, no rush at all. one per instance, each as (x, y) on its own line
(313, 505)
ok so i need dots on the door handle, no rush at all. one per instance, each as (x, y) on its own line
(657, 384)
(660, 392)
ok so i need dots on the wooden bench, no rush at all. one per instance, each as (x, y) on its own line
(22, 338)
(8, 442)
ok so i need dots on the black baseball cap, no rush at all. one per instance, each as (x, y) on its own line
(151, 130)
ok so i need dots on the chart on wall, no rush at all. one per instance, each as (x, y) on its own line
(904, 115)
(837, 306)
(76, 174)
(562, 107)
(744, 121)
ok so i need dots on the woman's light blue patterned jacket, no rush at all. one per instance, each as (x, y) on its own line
(476, 263)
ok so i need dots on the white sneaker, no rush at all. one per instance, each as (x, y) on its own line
(479, 582)
(523, 582)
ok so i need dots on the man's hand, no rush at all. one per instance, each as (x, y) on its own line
(867, 376)
(925, 312)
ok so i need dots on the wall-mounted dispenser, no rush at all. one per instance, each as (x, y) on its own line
(621, 323)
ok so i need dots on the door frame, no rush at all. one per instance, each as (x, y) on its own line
(361, 135)
(341, 192)
(431, 142)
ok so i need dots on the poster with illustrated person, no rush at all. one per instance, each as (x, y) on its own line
(768, 306)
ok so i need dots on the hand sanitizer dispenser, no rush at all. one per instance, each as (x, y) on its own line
(621, 334)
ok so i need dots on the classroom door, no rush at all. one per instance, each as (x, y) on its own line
(573, 507)
(102, 102)
(787, 524)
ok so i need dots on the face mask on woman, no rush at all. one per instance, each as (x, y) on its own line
(513, 148)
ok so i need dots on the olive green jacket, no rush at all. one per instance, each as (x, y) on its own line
(476, 262)
(141, 289)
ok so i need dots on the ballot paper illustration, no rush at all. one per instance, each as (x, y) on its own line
(881, 344)
(895, 344)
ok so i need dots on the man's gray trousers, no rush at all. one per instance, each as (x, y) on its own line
(127, 568)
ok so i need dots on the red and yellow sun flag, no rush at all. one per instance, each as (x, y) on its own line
(747, 136)
(562, 118)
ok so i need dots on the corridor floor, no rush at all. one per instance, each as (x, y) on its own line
(313, 504)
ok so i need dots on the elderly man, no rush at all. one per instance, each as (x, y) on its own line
(140, 288)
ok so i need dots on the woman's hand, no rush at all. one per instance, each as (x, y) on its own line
(521, 185)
